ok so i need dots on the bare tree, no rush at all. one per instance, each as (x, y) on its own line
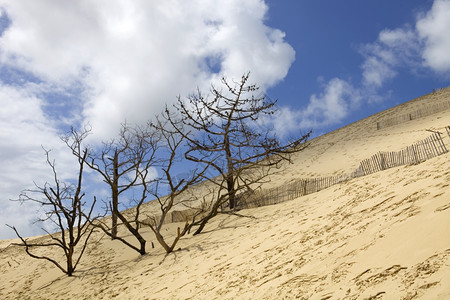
(64, 206)
(170, 185)
(223, 133)
(115, 162)
(125, 165)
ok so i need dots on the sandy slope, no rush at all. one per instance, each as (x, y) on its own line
(383, 236)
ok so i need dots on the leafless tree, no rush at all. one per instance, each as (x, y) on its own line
(114, 162)
(172, 184)
(64, 206)
(125, 165)
(224, 134)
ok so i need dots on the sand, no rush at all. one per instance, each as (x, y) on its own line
(381, 236)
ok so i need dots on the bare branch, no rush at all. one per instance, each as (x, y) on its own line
(221, 134)
(64, 207)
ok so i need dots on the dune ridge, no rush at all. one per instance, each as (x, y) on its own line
(385, 235)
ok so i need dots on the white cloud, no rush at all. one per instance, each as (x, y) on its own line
(136, 56)
(434, 29)
(23, 129)
(427, 44)
(337, 100)
(423, 47)
(393, 50)
(402, 49)
(331, 106)
(125, 60)
(376, 71)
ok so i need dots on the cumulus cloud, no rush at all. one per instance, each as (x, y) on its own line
(133, 57)
(329, 107)
(393, 50)
(70, 62)
(434, 29)
(423, 46)
(23, 129)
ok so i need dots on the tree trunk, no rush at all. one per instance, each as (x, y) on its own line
(231, 191)
(230, 173)
(202, 225)
(142, 249)
(211, 215)
(69, 261)
(115, 195)
(161, 241)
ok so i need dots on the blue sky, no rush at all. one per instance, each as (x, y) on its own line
(327, 62)
(329, 38)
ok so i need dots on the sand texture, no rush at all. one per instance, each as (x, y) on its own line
(380, 236)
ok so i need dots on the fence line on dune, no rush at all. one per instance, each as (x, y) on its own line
(423, 112)
(418, 152)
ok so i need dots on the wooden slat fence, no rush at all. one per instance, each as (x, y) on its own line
(289, 191)
(423, 112)
(428, 148)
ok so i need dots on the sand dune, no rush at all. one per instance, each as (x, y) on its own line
(381, 236)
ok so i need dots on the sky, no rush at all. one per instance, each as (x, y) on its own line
(328, 63)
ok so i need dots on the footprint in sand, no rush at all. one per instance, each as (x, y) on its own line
(442, 208)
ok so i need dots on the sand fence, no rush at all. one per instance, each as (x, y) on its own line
(428, 148)
(416, 153)
(423, 112)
